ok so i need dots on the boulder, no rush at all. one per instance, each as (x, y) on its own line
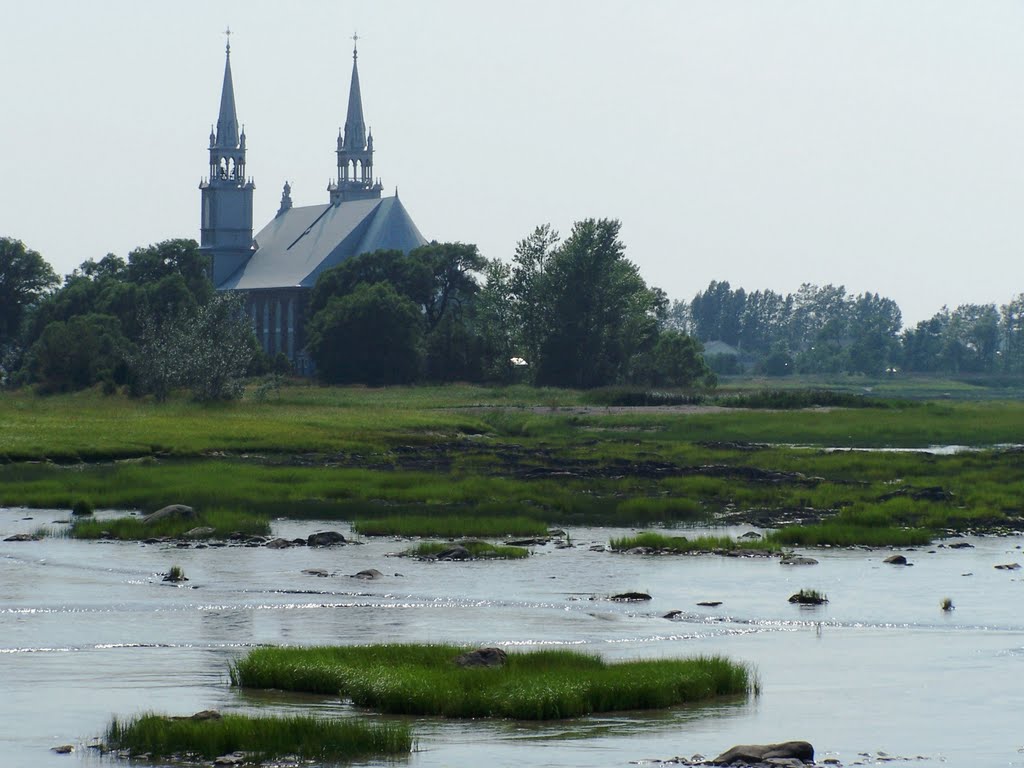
(206, 714)
(325, 539)
(316, 572)
(961, 545)
(22, 537)
(369, 574)
(1008, 567)
(278, 543)
(482, 657)
(808, 598)
(672, 615)
(202, 532)
(752, 754)
(710, 603)
(170, 512)
(896, 560)
(458, 552)
(797, 560)
(630, 597)
(63, 749)
(751, 535)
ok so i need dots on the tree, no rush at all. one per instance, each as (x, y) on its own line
(496, 322)
(373, 336)
(154, 264)
(25, 278)
(409, 277)
(676, 360)
(599, 311)
(527, 290)
(76, 354)
(874, 326)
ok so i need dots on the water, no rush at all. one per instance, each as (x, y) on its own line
(88, 630)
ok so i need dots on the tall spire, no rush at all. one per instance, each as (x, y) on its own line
(227, 122)
(355, 147)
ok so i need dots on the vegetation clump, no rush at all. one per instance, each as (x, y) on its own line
(175, 575)
(260, 738)
(539, 685)
(82, 508)
(661, 543)
(450, 526)
(221, 523)
(478, 550)
(809, 597)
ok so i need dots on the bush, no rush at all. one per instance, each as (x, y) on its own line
(81, 507)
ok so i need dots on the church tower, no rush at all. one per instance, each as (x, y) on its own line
(355, 149)
(226, 229)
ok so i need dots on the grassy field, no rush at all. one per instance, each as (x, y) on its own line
(482, 462)
(539, 685)
(262, 738)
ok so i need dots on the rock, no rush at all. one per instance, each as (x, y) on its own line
(482, 657)
(751, 535)
(960, 545)
(369, 574)
(761, 753)
(325, 539)
(63, 749)
(206, 714)
(1008, 567)
(597, 548)
(672, 615)
(896, 560)
(236, 758)
(630, 597)
(526, 542)
(797, 560)
(710, 603)
(316, 572)
(23, 537)
(278, 543)
(202, 532)
(807, 598)
(170, 512)
(458, 552)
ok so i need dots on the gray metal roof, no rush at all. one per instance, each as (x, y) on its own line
(300, 243)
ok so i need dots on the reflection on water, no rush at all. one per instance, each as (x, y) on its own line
(87, 630)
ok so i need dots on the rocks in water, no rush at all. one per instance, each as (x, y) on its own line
(960, 545)
(808, 597)
(896, 560)
(751, 535)
(370, 574)
(1008, 567)
(797, 560)
(202, 532)
(753, 754)
(235, 758)
(278, 543)
(630, 597)
(526, 542)
(710, 603)
(206, 714)
(598, 548)
(482, 657)
(325, 539)
(23, 537)
(63, 749)
(672, 615)
(175, 576)
(170, 512)
(458, 552)
(316, 572)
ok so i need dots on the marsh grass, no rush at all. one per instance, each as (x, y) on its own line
(809, 597)
(450, 526)
(482, 550)
(682, 545)
(834, 534)
(311, 738)
(224, 522)
(539, 685)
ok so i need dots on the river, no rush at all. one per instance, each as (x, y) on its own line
(89, 630)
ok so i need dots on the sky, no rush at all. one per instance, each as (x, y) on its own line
(873, 144)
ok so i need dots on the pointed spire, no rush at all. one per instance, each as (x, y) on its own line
(227, 123)
(355, 128)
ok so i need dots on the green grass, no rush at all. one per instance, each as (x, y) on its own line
(809, 597)
(846, 535)
(683, 545)
(450, 526)
(482, 550)
(224, 523)
(540, 685)
(311, 738)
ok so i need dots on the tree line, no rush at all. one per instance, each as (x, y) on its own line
(825, 329)
(563, 313)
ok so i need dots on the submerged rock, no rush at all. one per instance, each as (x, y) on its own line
(752, 754)
(325, 539)
(278, 543)
(316, 572)
(797, 560)
(369, 574)
(630, 597)
(482, 657)
(63, 749)
(170, 512)
(23, 537)
(896, 560)
(673, 614)
(808, 598)
(710, 603)
(1008, 567)
(458, 552)
(201, 532)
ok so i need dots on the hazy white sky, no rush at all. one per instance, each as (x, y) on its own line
(870, 143)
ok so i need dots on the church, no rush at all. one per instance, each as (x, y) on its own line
(276, 269)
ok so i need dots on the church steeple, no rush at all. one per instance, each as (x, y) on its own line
(355, 147)
(226, 229)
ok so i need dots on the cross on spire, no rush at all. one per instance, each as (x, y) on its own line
(355, 45)
(227, 36)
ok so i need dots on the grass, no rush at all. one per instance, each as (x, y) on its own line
(481, 550)
(223, 523)
(809, 597)
(540, 685)
(311, 738)
(682, 545)
(845, 535)
(450, 526)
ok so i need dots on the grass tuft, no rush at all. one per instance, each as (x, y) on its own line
(450, 526)
(682, 545)
(540, 685)
(263, 738)
(223, 522)
(482, 550)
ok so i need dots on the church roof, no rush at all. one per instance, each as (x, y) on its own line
(300, 243)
